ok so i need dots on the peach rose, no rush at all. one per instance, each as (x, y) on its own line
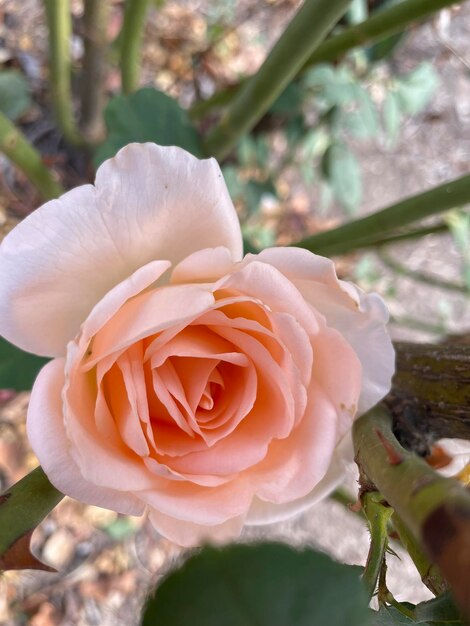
(208, 389)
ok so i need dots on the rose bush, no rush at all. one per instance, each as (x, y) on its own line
(206, 388)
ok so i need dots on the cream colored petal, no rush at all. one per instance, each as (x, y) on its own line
(148, 203)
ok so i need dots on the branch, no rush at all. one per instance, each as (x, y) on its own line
(22, 508)
(436, 510)
(301, 37)
(430, 397)
(93, 74)
(131, 39)
(349, 236)
(20, 152)
(380, 25)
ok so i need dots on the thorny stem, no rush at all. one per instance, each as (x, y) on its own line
(436, 510)
(429, 572)
(20, 152)
(378, 516)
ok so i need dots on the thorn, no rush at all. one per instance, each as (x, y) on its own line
(394, 457)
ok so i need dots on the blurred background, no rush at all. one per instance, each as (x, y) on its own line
(344, 140)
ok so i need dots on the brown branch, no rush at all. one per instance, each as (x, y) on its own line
(430, 397)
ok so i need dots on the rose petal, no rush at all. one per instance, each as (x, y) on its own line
(262, 512)
(359, 317)
(148, 203)
(191, 535)
(47, 435)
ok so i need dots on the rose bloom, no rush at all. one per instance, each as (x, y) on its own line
(205, 388)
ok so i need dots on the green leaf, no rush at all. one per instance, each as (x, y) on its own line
(363, 122)
(290, 100)
(392, 116)
(264, 585)
(336, 87)
(342, 171)
(18, 369)
(147, 115)
(415, 90)
(14, 94)
(254, 192)
(441, 609)
(22, 508)
(389, 616)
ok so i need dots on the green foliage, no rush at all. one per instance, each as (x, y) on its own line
(440, 611)
(18, 369)
(266, 584)
(415, 90)
(147, 115)
(328, 105)
(341, 169)
(15, 98)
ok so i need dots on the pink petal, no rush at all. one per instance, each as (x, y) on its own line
(48, 438)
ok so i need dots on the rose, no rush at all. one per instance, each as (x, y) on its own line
(208, 389)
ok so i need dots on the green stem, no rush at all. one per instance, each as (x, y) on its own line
(93, 75)
(429, 572)
(60, 27)
(436, 510)
(378, 516)
(303, 34)
(421, 277)
(350, 235)
(22, 508)
(20, 152)
(380, 25)
(131, 39)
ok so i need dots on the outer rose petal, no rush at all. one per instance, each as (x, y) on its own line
(47, 435)
(190, 535)
(359, 317)
(262, 512)
(148, 203)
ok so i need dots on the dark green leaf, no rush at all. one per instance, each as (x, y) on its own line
(290, 100)
(247, 151)
(441, 609)
(344, 176)
(254, 192)
(259, 585)
(147, 115)
(389, 616)
(295, 129)
(14, 94)
(18, 369)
